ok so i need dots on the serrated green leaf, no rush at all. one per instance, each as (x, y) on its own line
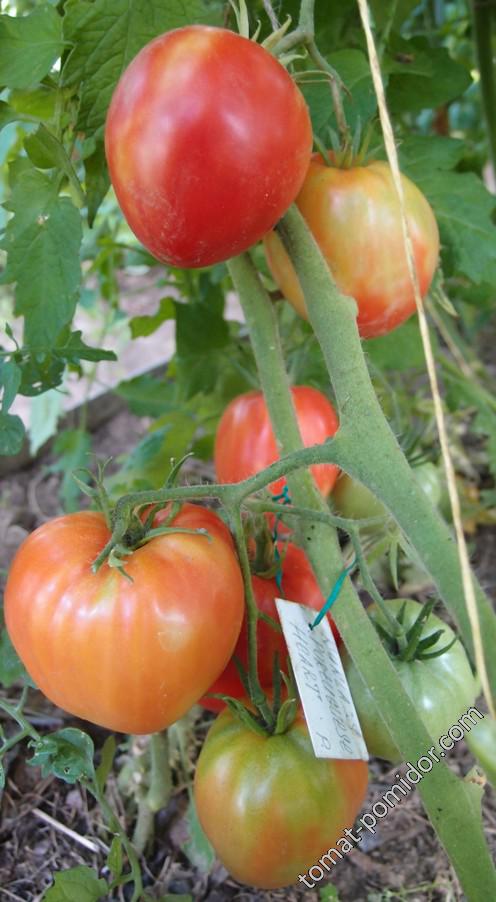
(463, 207)
(12, 669)
(419, 154)
(40, 102)
(42, 241)
(197, 847)
(10, 380)
(148, 465)
(400, 350)
(41, 371)
(201, 333)
(352, 66)
(97, 180)
(142, 326)
(80, 884)
(71, 348)
(7, 114)
(11, 434)
(46, 152)
(464, 210)
(381, 12)
(147, 396)
(44, 413)
(68, 754)
(107, 34)
(29, 45)
(421, 76)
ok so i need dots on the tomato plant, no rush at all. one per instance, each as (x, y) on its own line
(270, 808)
(354, 216)
(442, 687)
(208, 141)
(129, 653)
(298, 584)
(245, 443)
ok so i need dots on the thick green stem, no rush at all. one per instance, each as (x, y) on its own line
(366, 447)
(447, 799)
(260, 318)
(484, 17)
(160, 781)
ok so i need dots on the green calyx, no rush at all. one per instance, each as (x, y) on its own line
(410, 643)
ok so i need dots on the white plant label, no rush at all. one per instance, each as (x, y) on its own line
(325, 695)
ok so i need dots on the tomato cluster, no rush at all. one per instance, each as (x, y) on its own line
(208, 142)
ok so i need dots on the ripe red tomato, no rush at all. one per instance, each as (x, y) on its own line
(298, 584)
(245, 442)
(130, 656)
(355, 218)
(269, 807)
(208, 140)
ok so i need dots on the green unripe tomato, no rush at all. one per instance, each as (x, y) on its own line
(441, 688)
(356, 502)
(481, 741)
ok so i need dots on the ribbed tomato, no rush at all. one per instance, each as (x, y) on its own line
(269, 807)
(245, 442)
(298, 584)
(130, 656)
(208, 140)
(354, 216)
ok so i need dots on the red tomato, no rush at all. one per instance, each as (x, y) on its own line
(298, 584)
(355, 218)
(269, 807)
(245, 442)
(130, 656)
(208, 140)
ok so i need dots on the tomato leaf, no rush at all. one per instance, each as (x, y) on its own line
(359, 104)
(29, 45)
(97, 180)
(422, 76)
(7, 114)
(10, 380)
(42, 241)
(107, 757)
(106, 35)
(201, 333)
(39, 103)
(11, 433)
(147, 396)
(67, 753)
(71, 449)
(463, 207)
(44, 413)
(197, 847)
(145, 325)
(80, 884)
(12, 669)
(401, 350)
(420, 154)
